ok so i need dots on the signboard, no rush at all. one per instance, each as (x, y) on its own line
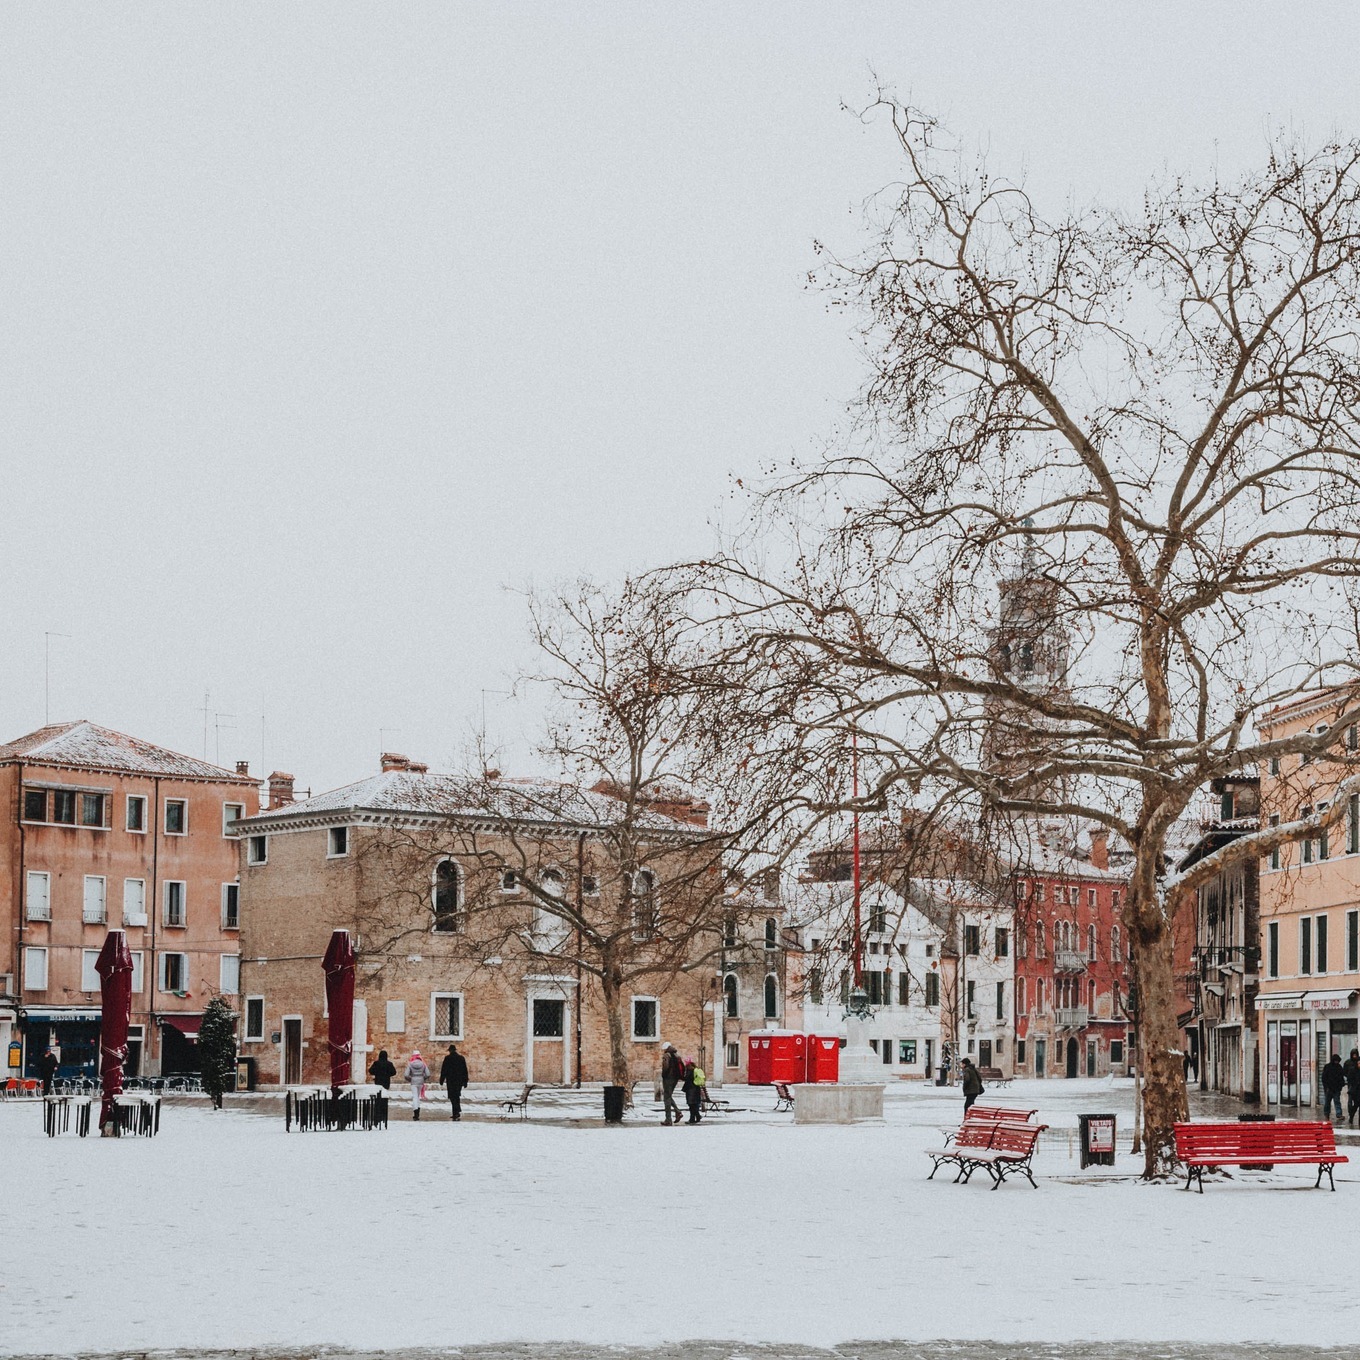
(15, 1055)
(1328, 1003)
(1101, 1135)
(1278, 1003)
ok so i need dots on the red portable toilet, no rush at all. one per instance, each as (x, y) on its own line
(758, 1055)
(788, 1055)
(823, 1057)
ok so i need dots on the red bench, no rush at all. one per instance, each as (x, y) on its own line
(1001, 1139)
(1301, 1142)
(995, 1112)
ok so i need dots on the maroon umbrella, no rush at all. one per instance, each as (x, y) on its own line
(339, 966)
(115, 990)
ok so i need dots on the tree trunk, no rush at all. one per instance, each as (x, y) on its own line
(614, 1007)
(1162, 1069)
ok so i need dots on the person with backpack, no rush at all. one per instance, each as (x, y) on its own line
(694, 1089)
(672, 1072)
(417, 1073)
(972, 1084)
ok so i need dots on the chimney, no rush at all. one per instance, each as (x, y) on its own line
(392, 761)
(280, 790)
(418, 767)
(243, 768)
(1100, 847)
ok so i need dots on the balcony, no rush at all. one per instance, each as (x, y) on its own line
(1074, 1018)
(1069, 961)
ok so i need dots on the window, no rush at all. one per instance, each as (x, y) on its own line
(549, 1018)
(64, 807)
(932, 989)
(904, 988)
(35, 969)
(134, 901)
(231, 812)
(1073, 896)
(1320, 944)
(887, 1052)
(1091, 898)
(730, 1000)
(646, 1019)
(771, 933)
(1116, 1051)
(1091, 943)
(729, 936)
(815, 986)
(1306, 945)
(590, 885)
(969, 1013)
(1020, 998)
(1003, 942)
(1038, 996)
(93, 911)
(445, 898)
(395, 1018)
(1225, 806)
(906, 1051)
(138, 972)
(771, 997)
(509, 881)
(1353, 941)
(1114, 899)
(89, 974)
(734, 1055)
(876, 987)
(1274, 764)
(446, 1015)
(229, 974)
(136, 813)
(174, 973)
(1022, 943)
(1020, 1052)
(175, 913)
(254, 1018)
(1275, 853)
(972, 940)
(1353, 824)
(1114, 944)
(1324, 837)
(38, 896)
(1039, 940)
(176, 817)
(1000, 1000)
(1038, 892)
(878, 918)
(257, 850)
(92, 809)
(35, 805)
(1273, 950)
(643, 891)
(231, 906)
(337, 842)
(1305, 812)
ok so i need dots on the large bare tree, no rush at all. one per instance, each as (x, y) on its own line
(1098, 514)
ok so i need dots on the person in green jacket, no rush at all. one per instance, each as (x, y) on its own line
(972, 1084)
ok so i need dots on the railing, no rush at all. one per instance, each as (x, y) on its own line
(1074, 1018)
(1069, 961)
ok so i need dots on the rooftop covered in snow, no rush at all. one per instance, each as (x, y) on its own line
(84, 745)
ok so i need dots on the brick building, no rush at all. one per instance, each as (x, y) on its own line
(441, 882)
(104, 830)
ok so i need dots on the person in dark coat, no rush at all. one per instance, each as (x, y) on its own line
(453, 1074)
(1352, 1071)
(672, 1071)
(972, 1084)
(692, 1092)
(47, 1070)
(383, 1071)
(1333, 1083)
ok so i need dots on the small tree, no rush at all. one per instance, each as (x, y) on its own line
(217, 1048)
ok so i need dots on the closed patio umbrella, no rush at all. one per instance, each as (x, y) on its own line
(339, 966)
(115, 988)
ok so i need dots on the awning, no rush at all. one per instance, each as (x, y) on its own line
(1228, 1024)
(186, 1024)
(1279, 1001)
(56, 1015)
(1184, 1018)
(1328, 1001)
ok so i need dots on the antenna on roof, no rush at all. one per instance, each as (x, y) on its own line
(206, 710)
(47, 675)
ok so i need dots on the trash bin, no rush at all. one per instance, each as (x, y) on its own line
(1257, 1119)
(1097, 1139)
(613, 1104)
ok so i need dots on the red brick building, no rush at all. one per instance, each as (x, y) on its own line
(102, 830)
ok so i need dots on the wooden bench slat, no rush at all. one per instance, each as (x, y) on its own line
(1294, 1142)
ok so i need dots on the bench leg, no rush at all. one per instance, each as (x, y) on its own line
(935, 1168)
(1327, 1167)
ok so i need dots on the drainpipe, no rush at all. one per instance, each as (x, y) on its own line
(152, 914)
(21, 896)
(580, 903)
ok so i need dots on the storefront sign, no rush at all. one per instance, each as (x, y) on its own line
(1328, 1003)
(1279, 1003)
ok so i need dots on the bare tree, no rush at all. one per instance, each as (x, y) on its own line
(1098, 515)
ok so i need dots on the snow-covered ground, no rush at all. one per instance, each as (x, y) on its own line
(226, 1232)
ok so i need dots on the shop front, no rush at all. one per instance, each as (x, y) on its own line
(179, 1045)
(71, 1032)
(1302, 1031)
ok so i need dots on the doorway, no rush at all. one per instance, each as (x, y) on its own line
(1090, 1057)
(1289, 1064)
(548, 1031)
(1041, 1057)
(292, 1050)
(929, 1045)
(984, 1052)
(1072, 1068)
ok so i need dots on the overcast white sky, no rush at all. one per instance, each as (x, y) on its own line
(321, 325)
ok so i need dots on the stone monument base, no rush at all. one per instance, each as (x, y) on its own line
(825, 1103)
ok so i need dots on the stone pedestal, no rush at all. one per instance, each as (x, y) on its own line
(858, 1062)
(825, 1103)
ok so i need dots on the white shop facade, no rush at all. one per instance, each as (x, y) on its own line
(1299, 1033)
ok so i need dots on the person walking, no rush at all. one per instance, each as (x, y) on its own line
(693, 1090)
(1352, 1071)
(47, 1070)
(453, 1074)
(383, 1071)
(1333, 1083)
(417, 1073)
(672, 1073)
(972, 1084)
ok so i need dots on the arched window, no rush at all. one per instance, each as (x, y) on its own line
(771, 997)
(730, 996)
(1038, 939)
(550, 929)
(642, 885)
(1005, 656)
(1114, 944)
(771, 933)
(1091, 942)
(446, 898)
(1026, 657)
